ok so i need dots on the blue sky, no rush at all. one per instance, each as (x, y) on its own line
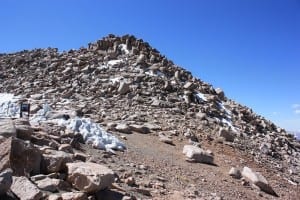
(249, 48)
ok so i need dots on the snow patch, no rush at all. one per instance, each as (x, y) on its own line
(93, 134)
(8, 105)
(124, 48)
(201, 96)
(113, 63)
(228, 112)
(157, 73)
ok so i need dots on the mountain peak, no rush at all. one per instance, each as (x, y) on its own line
(125, 84)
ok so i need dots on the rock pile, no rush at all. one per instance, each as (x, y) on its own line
(129, 87)
(41, 165)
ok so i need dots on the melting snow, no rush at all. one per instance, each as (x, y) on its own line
(92, 132)
(228, 112)
(8, 105)
(157, 73)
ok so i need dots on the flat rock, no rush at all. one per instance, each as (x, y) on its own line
(89, 177)
(51, 184)
(123, 128)
(197, 154)
(74, 196)
(5, 181)
(139, 128)
(24, 189)
(166, 139)
(258, 179)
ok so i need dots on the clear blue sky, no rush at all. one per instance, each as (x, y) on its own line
(250, 48)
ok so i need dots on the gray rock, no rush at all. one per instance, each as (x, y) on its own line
(139, 128)
(123, 88)
(198, 155)
(227, 134)
(89, 177)
(24, 189)
(166, 139)
(235, 173)
(258, 179)
(123, 128)
(5, 181)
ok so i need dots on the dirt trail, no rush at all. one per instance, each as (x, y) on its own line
(195, 179)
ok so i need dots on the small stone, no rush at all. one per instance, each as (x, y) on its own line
(66, 148)
(235, 173)
(123, 88)
(166, 139)
(140, 128)
(123, 128)
(197, 154)
(130, 181)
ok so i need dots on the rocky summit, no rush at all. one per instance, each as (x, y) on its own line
(118, 120)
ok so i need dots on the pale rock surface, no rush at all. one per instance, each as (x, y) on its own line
(197, 154)
(258, 179)
(89, 177)
(24, 189)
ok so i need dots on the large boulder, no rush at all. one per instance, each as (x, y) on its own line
(5, 181)
(24, 158)
(7, 128)
(55, 161)
(24, 189)
(258, 179)
(197, 154)
(89, 177)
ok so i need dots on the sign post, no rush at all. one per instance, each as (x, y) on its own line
(24, 107)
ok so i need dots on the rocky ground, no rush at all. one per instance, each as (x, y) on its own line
(184, 139)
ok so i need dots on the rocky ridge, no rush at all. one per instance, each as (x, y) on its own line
(129, 87)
